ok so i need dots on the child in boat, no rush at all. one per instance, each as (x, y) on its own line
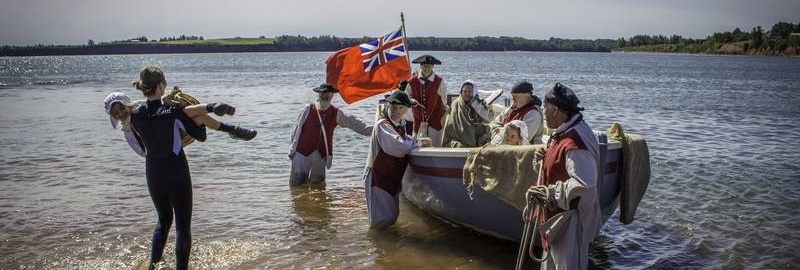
(513, 133)
(119, 107)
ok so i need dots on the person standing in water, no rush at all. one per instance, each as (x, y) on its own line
(387, 161)
(566, 192)
(169, 182)
(311, 147)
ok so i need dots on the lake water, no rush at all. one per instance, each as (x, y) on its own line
(723, 131)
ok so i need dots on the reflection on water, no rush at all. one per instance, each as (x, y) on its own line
(311, 206)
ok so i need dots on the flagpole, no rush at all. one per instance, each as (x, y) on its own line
(408, 52)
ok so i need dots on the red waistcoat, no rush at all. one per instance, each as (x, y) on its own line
(388, 170)
(311, 134)
(519, 114)
(554, 169)
(428, 95)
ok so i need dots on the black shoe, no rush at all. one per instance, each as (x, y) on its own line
(241, 133)
(221, 109)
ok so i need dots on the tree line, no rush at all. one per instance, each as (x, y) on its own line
(145, 39)
(480, 43)
(781, 37)
(332, 43)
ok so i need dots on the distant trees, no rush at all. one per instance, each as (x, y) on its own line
(90, 43)
(780, 37)
(480, 43)
(181, 38)
(757, 35)
(641, 40)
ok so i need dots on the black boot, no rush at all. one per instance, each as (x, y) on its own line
(238, 132)
(241, 133)
(220, 109)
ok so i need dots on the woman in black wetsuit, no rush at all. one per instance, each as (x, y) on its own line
(157, 127)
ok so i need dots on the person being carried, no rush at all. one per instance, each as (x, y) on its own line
(566, 192)
(387, 161)
(119, 107)
(428, 92)
(311, 145)
(466, 124)
(525, 108)
(513, 133)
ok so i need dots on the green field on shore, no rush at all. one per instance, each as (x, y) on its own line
(222, 41)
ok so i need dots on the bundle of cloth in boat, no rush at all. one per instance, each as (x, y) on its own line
(635, 171)
(505, 171)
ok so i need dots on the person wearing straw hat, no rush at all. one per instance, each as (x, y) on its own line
(387, 161)
(429, 94)
(567, 208)
(526, 108)
(311, 146)
(119, 107)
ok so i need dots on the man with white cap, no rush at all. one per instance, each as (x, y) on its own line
(311, 147)
(429, 93)
(566, 192)
(525, 108)
(387, 161)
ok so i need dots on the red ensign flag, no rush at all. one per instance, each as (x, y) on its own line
(370, 68)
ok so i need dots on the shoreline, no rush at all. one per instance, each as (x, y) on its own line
(703, 54)
(132, 49)
(303, 44)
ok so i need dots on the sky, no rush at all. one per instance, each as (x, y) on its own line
(71, 22)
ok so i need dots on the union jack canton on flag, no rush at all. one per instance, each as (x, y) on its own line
(370, 68)
(383, 49)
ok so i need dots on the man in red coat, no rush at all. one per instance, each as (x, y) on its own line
(311, 149)
(429, 93)
(387, 161)
(526, 109)
(567, 209)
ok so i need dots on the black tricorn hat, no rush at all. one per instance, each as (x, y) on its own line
(427, 59)
(325, 88)
(399, 97)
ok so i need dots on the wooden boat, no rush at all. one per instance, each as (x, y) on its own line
(433, 182)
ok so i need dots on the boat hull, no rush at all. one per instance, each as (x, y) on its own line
(433, 182)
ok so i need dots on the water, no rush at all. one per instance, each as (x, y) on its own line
(723, 134)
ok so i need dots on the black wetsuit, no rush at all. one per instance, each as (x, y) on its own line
(157, 128)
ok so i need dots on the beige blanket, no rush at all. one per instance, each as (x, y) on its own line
(635, 171)
(504, 171)
(507, 171)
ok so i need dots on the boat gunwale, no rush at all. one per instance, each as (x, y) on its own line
(463, 152)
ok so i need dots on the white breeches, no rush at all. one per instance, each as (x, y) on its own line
(307, 169)
(382, 207)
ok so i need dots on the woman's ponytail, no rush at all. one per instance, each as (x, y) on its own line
(149, 79)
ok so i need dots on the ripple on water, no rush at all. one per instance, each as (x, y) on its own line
(723, 191)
